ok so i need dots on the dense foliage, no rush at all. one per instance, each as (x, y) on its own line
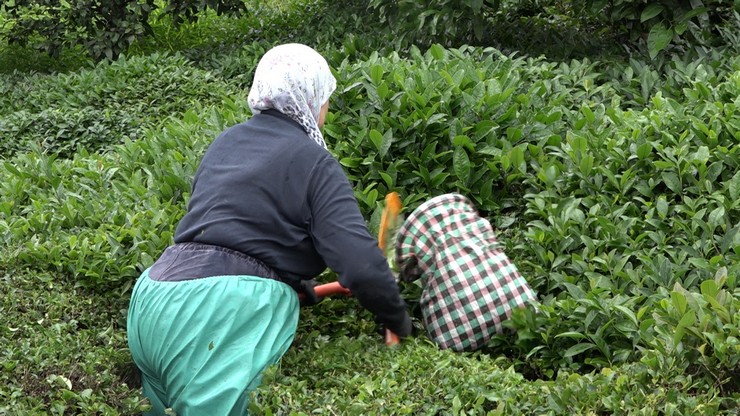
(665, 21)
(107, 28)
(650, 25)
(104, 27)
(614, 186)
(95, 108)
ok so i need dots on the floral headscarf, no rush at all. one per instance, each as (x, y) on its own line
(295, 80)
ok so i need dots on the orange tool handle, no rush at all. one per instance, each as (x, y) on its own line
(391, 338)
(387, 220)
(333, 288)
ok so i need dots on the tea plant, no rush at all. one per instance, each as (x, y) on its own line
(102, 218)
(97, 107)
(105, 29)
(63, 353)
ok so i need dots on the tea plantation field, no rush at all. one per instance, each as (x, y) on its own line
(613, 183)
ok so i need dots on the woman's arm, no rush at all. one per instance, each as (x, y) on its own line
(342, 239)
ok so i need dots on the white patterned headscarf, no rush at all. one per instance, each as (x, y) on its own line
(295, 80)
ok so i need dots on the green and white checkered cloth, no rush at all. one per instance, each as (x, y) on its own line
(469, 285)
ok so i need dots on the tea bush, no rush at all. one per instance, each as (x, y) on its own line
(101, 218)
(104, 28)
(612, 185)
(606, 204)
(650, 26)
(354, 375)
(63, 131)
(99, 106)
(63, 353)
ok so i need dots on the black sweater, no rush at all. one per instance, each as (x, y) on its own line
(265, 189)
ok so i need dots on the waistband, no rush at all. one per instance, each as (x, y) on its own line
(189, 261)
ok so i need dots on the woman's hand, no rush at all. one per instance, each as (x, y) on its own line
(307, 295)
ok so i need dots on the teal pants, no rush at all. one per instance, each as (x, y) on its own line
(202, 344)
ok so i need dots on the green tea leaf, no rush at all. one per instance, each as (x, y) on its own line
(696, 12)
(376, 74)
(678, 334)
(650, 11)
(350, 162)
(688, 319)
(717, 216)
(386, 143)
(387, 179)
(701, 155)
(575, 291)
(578, 349)
(734, 186)
(709, 288)
(517, 159)
(462, 140)
(490, 151)
(438, 51)
(661, 205)
(461, 164)
(644, 150)
(376, 138)
(720, 276)
(628, 313)
(590, 117)
(372, 196)
(505, 163)
(659, 38)
(587, 163)
(679, 301)
(383, 90)
(12, 169)
(571, 335)
(673, 182)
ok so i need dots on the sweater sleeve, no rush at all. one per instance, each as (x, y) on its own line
(342, 239)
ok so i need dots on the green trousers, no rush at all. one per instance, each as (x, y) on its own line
(202, 344)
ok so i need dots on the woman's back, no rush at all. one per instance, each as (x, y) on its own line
(250, 194)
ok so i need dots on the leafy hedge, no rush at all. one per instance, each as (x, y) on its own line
(100, 106)
(614, 188)
(653, 26)
(104, 28)
(63, 349)
(611, 209)
(101, 219)
(357, 375)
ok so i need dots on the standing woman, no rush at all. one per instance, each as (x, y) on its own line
(270, 209)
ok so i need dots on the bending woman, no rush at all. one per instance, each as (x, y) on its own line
(270, 208)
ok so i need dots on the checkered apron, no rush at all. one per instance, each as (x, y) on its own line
(469, 285)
